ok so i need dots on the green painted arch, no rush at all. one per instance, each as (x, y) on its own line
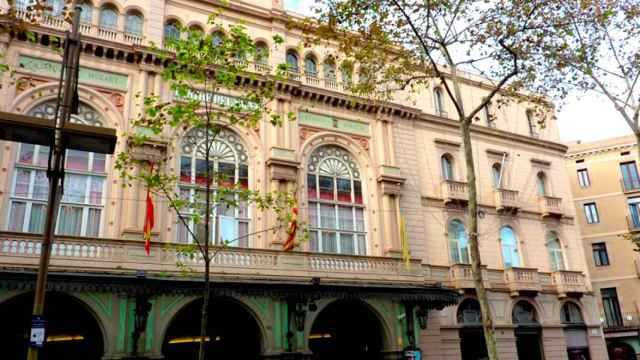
(386, 323)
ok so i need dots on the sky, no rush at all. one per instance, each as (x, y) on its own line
(584, 117)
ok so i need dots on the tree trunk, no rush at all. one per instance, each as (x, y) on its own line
(487, 318)
(205, 311)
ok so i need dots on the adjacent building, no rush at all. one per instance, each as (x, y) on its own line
(358, 169)
(606, 193)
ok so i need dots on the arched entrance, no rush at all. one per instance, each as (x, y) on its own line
(621, 351)
(472, 344)
(346, 329)
(528, 331)
(72, 331)
(575, 332)
(233, 332)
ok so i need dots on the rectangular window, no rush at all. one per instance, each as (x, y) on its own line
(583, 178)
(591, 213)
(611, 305)
(630, 178)
(600, 256)
(634, 212)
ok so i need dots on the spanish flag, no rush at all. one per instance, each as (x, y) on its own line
(292, 229)
(148, 221)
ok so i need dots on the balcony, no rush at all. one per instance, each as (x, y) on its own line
(128, 256)
(454, 192)
(506, 201)
(550, 206)
(86, 29)
(628, 321)
(522, 279)
(568, 282)
(461, 278)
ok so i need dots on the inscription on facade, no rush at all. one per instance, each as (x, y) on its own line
(87, 75)
(329, 122)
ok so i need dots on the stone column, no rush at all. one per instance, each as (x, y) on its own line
(506, 343)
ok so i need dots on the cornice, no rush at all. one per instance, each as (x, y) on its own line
(603, 150)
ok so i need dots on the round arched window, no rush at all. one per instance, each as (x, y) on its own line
(336, 203)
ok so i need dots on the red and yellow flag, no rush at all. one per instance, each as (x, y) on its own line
(148, 221)
(292, 229)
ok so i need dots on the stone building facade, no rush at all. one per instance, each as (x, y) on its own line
(346, 291)
(604, 180)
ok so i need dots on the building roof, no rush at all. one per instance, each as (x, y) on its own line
(583, 149)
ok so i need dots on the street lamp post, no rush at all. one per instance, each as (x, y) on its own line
(59, 136)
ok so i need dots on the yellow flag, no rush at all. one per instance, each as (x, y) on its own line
(404, 241)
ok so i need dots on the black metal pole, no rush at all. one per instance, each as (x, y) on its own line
(55, 172)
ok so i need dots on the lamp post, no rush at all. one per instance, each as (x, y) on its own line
(59, 135)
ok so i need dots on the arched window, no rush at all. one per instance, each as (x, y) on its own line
(571, 314)
(446, 165)
(262, 54)
(496, 175)
(346, 71)
(108, 18)
(310, 66)
(533, 129)
(133, 24)
(541, 184)
(469, 312)
(524, 314)
(336, 202)
(172, 30)
(82, 203)
(292, 61)
(228, 164)
(196, 29)
(509, 242)
(555, 251)
(86, 16)
(458, 242)
(217, 38)
(438, 100)
(329, 69)
(56, 7)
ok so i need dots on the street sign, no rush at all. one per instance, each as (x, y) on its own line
(412, 355)
(36, 339)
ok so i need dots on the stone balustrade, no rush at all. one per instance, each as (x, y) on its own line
(506, 200)
(550, 206)
(522, 279)
(568, 282)
(454, 191)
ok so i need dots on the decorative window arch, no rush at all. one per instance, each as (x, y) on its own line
(496, 176)
(469, 312)
(86, 16)
(554, 248)
(228, 164)
(438, 100)
(172, 30)
(262, 53)
(293, 61)
(336, 202)
(524, 314)
(346, 72)
(81, 208)
(541, 184)
(458, 242)
(329, 69)
(108, 17)
(446, 165)
(133, 23)
(310, 66)
(571, 314)
(509, 245)
(217, 38)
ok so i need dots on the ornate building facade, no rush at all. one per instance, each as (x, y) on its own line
(605, 184)
(357, 168)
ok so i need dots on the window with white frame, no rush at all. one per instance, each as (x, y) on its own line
(509, 244)
(82, 203)
(446, 165)
(555, 251)
(583, 178)
(227, 168)
(438, 101)
(458, 242)
(133, 23)
(591, 213)
(108, 18)
(336, 202)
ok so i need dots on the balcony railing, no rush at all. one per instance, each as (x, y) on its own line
(550, 206)
(57, 22)
(460, 277)
(506, 200)
(627, 321)
(567, 282)
(454, 191)
(522, 279)
(104, 255)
